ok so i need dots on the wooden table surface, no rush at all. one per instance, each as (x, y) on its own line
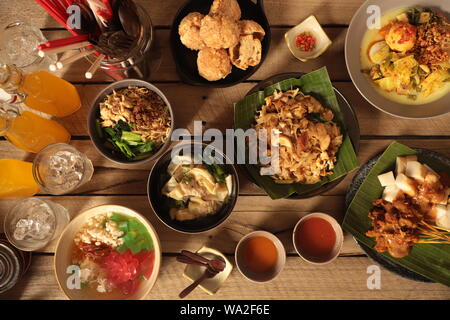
(345, 278)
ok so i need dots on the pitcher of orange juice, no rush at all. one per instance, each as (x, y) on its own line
(16, 179)
(29, 131)
(40, 90)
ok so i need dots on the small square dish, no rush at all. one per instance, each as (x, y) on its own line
(210, 286)
(308, 35)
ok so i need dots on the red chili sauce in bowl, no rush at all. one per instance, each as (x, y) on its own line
(315, 239)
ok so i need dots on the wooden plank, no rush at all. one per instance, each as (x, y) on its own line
(279, 59)
(278, 217)
(133, 181)
(162, 12)
(345, 278)
(214, 108)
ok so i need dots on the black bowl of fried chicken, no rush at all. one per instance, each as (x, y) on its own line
(219, 43)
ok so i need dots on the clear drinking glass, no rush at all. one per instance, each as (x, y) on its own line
(33, 222)
(18, 45)
(141, 61)
(60, 168)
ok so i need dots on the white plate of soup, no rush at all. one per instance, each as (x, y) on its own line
(359, 43)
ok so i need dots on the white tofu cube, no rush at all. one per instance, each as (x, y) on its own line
(390, 193)
(411, 158)
(437, 210)
(443, 216)
(386, 179)
(416, 170)
(400, 165)
(406, 185)
(432, 177)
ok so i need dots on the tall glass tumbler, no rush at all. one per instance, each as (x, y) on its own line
(60, 168)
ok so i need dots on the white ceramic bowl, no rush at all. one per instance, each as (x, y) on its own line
(337, 246)
(353, 41)
(260, 277)
(94, 113)
(64, 253)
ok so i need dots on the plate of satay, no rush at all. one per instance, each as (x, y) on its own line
(398, 210)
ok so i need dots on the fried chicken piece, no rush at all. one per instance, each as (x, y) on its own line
(247, 52)
(219, 31)
(250, 27)
(189, 31)
(229, 8)
(213, 64)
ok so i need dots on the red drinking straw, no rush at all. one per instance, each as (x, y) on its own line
(58, 6)
(63, 42)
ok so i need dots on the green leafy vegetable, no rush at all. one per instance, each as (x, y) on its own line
(145, 147)
(217, 171)
(127, 143)
(130, 136)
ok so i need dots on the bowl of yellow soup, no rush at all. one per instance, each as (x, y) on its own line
(388, 56)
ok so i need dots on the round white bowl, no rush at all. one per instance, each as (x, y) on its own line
(260, 277)
(337, 246)
(64, 249)
(353, 40)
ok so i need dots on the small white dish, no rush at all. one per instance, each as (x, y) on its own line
(310, 25)
(337, 246)
(260, 277)
(212, 285)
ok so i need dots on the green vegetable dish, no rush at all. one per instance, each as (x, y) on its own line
(195, 190)
(134, 123)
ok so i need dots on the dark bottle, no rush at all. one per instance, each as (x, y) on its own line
(13, 264)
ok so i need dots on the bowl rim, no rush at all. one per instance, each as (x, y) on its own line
(336, 227)
(353, 79)
(93, 107)
(278, 244)
(221, 221)
(125, 210)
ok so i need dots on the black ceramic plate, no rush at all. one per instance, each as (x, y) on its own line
(158, 178)
(186, 59)
(350, 119)
(351, 191)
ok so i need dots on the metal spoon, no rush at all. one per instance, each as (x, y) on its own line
(115, 44)
(129, 19)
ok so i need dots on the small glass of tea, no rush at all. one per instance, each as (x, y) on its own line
(260, 256)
